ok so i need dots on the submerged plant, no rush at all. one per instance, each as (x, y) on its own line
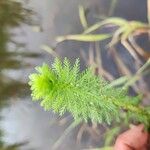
(86, 96)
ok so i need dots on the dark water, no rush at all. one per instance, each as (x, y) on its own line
(20, 52)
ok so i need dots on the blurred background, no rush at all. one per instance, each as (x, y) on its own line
(28, 37)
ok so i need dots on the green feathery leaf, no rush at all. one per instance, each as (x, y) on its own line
(63, 88)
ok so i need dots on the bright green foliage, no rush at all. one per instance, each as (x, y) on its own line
(86, 96)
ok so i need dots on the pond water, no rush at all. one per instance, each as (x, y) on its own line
(22, 34)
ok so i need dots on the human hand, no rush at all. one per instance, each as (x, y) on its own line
(133, 139)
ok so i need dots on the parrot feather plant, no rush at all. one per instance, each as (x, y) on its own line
(63, 88)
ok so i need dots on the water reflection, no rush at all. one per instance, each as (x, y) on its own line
(12, 15)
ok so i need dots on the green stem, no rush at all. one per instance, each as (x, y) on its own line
(137, 75)
(148, 11)
(112, 7)
(66, 132)
(132, 108)
(129, 107)
(82, 16)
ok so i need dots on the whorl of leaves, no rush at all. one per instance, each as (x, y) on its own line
(63, 88)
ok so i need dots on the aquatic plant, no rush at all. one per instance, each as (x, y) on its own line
(63, 88)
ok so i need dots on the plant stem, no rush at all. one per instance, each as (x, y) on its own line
(112, 7)
(132, 108)
(66, 132)
(148, 11)
(137, 75)
(129, 107)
